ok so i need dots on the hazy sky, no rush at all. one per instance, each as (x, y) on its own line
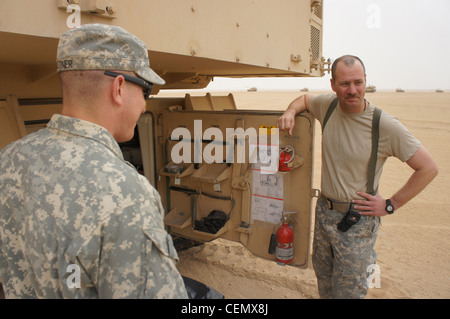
(403, 43)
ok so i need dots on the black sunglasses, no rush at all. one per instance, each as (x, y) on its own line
(146, 86)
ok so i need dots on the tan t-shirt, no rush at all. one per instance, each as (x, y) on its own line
(347, 144)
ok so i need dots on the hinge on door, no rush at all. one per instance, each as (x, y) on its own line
(315, 193)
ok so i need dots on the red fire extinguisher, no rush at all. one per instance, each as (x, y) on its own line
(286, 157)
(284, 252)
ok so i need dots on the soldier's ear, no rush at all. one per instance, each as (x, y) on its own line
(333, 85)
(117, 90)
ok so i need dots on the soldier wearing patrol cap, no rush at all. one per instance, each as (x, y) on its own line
(77, 220)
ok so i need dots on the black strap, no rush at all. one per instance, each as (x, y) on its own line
(374, 153)
(375, 138)
(330, 110)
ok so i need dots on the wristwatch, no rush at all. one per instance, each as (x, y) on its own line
(389, 206)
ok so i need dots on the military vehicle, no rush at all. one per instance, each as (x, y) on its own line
(190, 42)
(371, 89)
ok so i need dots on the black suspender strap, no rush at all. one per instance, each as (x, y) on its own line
(373, 155)
(375, 138)
(329, 111)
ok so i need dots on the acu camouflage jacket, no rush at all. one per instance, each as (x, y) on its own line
(77, 221)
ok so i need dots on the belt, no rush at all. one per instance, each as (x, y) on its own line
(342, 207)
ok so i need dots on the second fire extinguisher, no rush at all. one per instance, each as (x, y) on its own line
(286, 157)
(284, 252)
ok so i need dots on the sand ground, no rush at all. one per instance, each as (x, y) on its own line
(413, 244)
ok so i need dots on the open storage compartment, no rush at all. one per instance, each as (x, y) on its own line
(251, 199)
(177, 171)
(178, 218)
(212, 173)
(211, 215)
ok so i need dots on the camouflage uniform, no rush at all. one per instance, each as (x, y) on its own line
(68, 197)
(341, 259)
(104, 47)
(69, 201)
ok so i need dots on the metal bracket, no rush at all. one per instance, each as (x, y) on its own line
(100, 8)
(240, 182)
(315, 193)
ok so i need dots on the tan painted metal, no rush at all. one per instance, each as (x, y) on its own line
(198, 190)
(190, 42)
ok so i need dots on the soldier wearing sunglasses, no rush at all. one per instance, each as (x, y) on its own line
(70, 202)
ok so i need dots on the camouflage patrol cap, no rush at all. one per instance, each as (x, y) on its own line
(104, 47)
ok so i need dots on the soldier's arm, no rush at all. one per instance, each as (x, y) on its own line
(425, 170)
(287, 121)
(130, 255)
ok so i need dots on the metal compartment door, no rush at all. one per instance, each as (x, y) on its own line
(210, 179)
(11, 121)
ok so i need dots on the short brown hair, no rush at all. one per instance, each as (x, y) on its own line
(349, 60)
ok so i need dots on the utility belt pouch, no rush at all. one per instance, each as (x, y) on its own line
(350, 219)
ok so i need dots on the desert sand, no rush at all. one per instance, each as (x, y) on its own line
(413, 244)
